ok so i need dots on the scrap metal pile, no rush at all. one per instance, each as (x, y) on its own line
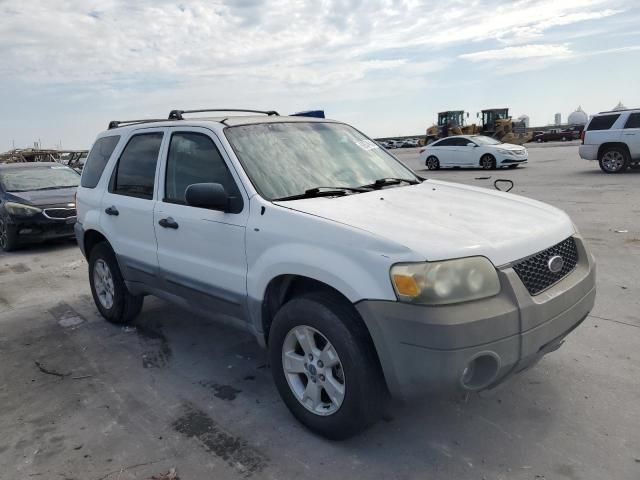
(72, 158)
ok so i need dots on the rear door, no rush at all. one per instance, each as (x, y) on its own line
(444, 150)
(631, 135)
(128, 204)
(201, 252)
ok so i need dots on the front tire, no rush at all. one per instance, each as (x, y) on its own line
(614, 160)
(325, 367)
(432, 163)
(8, 240)
(109, 291)
(488, 162)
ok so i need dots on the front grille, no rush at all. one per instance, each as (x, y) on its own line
(60, 213)
(535, 273)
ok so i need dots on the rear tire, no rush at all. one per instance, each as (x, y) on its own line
(488, 161)
(432, 163)
(110, 294)
(361, 391)
(8, 240)
(614, 160)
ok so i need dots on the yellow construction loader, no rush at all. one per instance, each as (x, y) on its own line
(496, 123)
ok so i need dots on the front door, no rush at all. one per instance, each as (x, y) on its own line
(201, 252)
(465, 155)
(127, 206)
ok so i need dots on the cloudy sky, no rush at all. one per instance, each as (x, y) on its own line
(67, 67)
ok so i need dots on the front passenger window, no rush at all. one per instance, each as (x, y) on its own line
(194, 158)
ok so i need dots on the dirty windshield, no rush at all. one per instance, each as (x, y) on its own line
(285, 159)
(29, 179)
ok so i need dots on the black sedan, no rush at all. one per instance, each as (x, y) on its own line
(37, 203)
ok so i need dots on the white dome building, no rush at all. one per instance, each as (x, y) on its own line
(618, 107)
(579, 117)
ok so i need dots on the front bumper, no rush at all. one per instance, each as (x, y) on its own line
(39, 228)
(512, 159)
(430, 349)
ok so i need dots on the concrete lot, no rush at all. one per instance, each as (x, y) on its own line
(179, 391)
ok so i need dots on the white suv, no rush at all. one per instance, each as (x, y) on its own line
(613, 138)
(360, 278)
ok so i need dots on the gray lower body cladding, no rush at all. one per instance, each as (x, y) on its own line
(476, 345)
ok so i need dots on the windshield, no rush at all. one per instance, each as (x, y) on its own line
(482, 140)
(40, 178)
(285, 159)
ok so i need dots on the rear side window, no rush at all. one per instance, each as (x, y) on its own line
(194, 158)
(97, 160)
(136, 170)
(633, 121)
(603, 122)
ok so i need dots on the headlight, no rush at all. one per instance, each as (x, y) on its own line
(451, 281)
(504, 152)
(20, 210)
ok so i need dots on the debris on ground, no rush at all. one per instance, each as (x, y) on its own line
(50, 372)
(622, 231)
(170, 475)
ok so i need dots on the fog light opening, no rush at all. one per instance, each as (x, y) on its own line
(480, 371)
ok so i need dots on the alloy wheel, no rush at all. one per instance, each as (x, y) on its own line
(313, 370)
(432, 163)
(103, 283)
(613, 161)
(486, 162)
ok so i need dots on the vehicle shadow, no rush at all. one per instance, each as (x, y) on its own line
(224, 371)
(50, 246)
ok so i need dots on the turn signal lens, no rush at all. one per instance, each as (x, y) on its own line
(406, 286)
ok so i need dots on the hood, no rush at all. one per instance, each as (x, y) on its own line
(441, 220)
(40, 198)
(509, 146)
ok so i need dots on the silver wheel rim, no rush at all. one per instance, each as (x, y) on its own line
(613, 161)
(3, 234)
(432, 163)
(103, 283)
(313, 370)
(486, 162)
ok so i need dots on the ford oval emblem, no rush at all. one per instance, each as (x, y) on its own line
(555, 264)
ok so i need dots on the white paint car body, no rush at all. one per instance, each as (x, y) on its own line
(336, 256)
(472, 151)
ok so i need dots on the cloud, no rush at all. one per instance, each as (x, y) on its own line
(519, 52)
(322, 43)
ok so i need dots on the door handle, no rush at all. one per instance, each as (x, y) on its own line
(112, 211)
(168, 223)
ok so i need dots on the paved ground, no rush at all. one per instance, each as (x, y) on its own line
(180, 391)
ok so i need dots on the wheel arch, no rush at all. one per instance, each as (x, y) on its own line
(607, 145)
(91, 239)
(283, 288)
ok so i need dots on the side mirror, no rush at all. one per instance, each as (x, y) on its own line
(471, 144)
(207, 195)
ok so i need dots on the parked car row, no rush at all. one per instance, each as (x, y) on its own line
(405, 143)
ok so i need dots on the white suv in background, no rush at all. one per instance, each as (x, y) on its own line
(613, 138)
(359, 277)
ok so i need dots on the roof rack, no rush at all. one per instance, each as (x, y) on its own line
(124, 123)
(620, 110)
(177, 114)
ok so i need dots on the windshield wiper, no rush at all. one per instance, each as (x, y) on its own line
(323, 192)
(385, 182)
